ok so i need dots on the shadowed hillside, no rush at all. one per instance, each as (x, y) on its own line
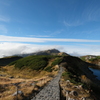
(5, 61)
(74, 65)
(79, 73)
(93, 60)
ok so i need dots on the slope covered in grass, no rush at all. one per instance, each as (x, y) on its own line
(6, 60)
(36, 62)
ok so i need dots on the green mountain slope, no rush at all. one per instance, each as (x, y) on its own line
(36, 62)
(5, 61)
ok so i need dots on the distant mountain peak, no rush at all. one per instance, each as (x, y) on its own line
(45, 52)
(52, 51)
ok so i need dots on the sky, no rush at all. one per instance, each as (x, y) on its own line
(71, 26)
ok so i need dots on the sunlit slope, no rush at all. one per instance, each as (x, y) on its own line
(36, 62)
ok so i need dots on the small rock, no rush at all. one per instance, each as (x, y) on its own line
(33, 84)
(83, 98)
(68, 81)
(80, 86)
(1, 75)
(76, 87)
(74, 93)
(19, 92)
(11, 77)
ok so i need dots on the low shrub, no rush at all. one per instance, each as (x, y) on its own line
(93, 59)
(48, 69)
(37, 62)
(33, 62)
(83, 58)
(56, 61)
(12, 63)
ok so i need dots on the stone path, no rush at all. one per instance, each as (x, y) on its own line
(51, 91)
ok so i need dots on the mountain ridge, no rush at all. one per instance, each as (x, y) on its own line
(44, 52)
(78, 69)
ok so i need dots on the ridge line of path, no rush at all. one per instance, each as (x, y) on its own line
(52, 90)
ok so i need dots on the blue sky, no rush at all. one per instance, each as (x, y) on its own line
(72, 26)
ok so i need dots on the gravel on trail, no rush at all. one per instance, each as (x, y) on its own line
(52, 90)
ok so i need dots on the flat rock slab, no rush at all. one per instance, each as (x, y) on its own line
(51, 91)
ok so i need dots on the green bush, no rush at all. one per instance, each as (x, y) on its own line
(83, 58)
(48, 69)
(93, 59)
(56, 61)
(71, 77)
(12, 63)
(37, 62)
(65, 73)
(33, 62)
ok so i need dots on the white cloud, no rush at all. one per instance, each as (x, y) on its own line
(66, 23)
(56, 32)
(8, 49)
(91, 13)
(73, 23)
(27, 39)
(19, 39)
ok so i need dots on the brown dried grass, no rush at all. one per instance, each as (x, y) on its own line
(26, 76)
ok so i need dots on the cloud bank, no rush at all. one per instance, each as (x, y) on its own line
(4, 38)
(10, 45)
(8, 49)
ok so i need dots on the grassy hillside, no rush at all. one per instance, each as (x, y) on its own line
(6, 60)
(32, 66)
(36, 62)
(95, 59)
(38, 66)
(89, 58)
